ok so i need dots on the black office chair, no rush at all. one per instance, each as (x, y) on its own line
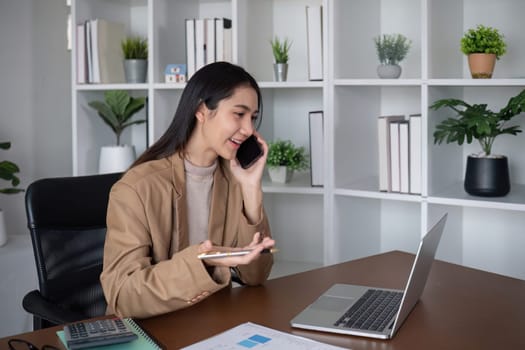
(67, 221)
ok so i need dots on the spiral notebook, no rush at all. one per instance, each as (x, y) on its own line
(144, 342)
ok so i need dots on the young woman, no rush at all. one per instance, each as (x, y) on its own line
(187, 195)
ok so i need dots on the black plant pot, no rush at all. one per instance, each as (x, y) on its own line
(487, 177)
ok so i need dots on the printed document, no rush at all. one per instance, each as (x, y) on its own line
(253, 336)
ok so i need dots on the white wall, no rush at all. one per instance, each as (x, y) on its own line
(35, 95)
(16, 97)
(35, 115)
(51, 63)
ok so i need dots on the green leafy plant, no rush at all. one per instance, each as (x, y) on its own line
(392, 48)
(280, 49)
(483, 40)
(135, 48)
(478, 122)
(8, 170)
(117, 109)
(285, 153)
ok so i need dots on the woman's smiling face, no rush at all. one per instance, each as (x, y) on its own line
(223, 130)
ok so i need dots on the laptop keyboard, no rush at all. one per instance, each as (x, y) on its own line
(372, 311)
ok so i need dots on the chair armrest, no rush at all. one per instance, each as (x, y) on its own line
(36, 304)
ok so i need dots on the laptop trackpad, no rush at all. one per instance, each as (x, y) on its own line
(328, 303)
(340, 297)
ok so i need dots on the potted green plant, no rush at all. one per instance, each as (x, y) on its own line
(391, 50)
(116, 111)
(283, 159)
(8, 171)
(135, 50)
(280, 50)
(483, 46)
(486, 173)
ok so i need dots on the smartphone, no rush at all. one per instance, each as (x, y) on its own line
(215, 255)
(249, 151)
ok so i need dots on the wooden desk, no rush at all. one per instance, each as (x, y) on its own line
(461, 308)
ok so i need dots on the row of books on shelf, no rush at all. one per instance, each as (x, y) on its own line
(399, 145)
(208, 40)
(99, 56)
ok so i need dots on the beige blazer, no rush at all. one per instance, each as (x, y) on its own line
(147, 218)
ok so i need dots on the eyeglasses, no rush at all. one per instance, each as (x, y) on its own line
(21, 344)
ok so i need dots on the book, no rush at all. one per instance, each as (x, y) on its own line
(414, 121)
(95, 66)
(383, 137)
(110, 56)
(190, 47)
(394, 157)
(144, 341)
(89, 53)
(223, 39)
(228, 41)
(314, 32)
(200, 43)
(81, 53)
(210, 40)
(316, 125)
(404, 161)
(251, 335)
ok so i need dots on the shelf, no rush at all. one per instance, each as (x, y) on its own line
(430, 82)
(456, 195)
(290, 84)
(367, 188)
(169, 86)
(300, 184)
(476, 82)
(378, 82)
(103, 87)
(348, 217)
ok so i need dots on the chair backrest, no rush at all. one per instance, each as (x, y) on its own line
(67, 220)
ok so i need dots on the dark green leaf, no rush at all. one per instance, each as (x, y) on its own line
(118, 100)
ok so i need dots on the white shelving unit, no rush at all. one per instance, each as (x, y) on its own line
(481, 232)
(347, 218)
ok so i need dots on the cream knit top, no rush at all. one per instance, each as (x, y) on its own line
(199, 184)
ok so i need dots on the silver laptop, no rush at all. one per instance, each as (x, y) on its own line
(368, 311)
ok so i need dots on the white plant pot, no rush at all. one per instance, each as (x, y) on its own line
(389, 71)
(3, 230)
(280, 174)
(114, 159)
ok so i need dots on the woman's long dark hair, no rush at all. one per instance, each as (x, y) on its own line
(210, 84)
